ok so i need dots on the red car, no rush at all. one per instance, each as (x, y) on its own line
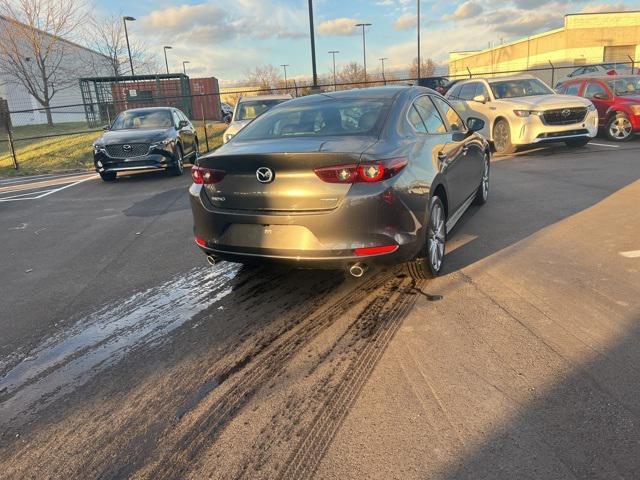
(617, 99)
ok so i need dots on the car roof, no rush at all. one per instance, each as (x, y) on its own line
(149, 109)
(601, 77)
(250, 98)
(372, 93)
(524, 76)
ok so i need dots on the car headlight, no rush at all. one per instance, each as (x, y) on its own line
(592, 107)
(228, 136)
(162, 144)
(97, 148)
(635, 109)
(527, 113)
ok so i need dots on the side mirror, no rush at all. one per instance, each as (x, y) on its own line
(107, 127)
(480, 99)
(475, 124)
(600, 96)
(182, 124)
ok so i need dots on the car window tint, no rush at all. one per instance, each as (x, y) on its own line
(416, 120)
(561, 88)
(455, 92)
(594, 88)
(572, 89)
(320, 118)
(143, 119)
(481, 89)
(430, 115)
(468, 91)
(452, 117)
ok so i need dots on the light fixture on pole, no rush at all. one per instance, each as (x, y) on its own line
(184, 66)
(364, 47)
(126, 35)
(166, 63)
(333, 53)
(285, 75)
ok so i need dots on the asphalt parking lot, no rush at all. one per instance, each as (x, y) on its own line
(123, 355)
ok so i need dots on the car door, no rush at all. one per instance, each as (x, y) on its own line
(469, 162)
(601, 98)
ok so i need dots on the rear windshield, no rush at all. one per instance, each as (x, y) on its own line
(250, 109)
(524, 87)
(143, 119)
(327, 117)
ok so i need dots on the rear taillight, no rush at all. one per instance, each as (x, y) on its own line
(206, 176)
(201, 241)
(363, 252)
(366, 172)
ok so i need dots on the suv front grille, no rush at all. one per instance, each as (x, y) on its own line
(565, 116)
(127, 150)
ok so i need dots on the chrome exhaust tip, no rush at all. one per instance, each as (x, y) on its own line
(357, 270)
(211, 260)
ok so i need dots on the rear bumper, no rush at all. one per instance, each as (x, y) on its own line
(154, 161)
(315, 240)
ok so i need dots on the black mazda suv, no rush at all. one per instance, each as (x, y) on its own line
(146, 139)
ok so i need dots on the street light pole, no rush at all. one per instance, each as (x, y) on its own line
(419, 65)
(313, 45)
(166, 63)
(126, 35)
(184, 68)
(383, 77)
(364, 47)
(333, 53)
(285, 75)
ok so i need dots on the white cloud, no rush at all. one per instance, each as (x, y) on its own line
(406, 22)
(465, 10)
(338, 27)
(608, 7)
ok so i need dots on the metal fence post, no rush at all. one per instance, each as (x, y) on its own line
(5, 121)
(468, 70)
(204, 123)
(633, 63)
(553, 73)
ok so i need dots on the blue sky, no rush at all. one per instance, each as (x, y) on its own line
(227, 38)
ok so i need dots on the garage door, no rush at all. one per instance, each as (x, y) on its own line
(622, 53)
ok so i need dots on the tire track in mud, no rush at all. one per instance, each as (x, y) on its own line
(306, 456)
(177, 458)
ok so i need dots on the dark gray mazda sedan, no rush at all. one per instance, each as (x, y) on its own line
(342, 180)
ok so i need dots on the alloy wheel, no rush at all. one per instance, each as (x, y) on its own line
(485, 179)
(179, 164)
(436, 237)
(500, 137)
(620, 128)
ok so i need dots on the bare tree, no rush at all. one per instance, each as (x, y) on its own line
(33, 49)
(352, 74)
(427, 68)
(105, 35)
(265, 77)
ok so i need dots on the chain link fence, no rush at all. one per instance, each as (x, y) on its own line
(29, 146)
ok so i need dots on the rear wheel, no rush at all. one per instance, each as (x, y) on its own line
(178, 168)
(577, 142)
(619, 128)
(436, 237)
(502, 138)
(482, 194)
(108, 176)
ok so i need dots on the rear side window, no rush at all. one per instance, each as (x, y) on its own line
(452, 117)
(455, 92)
(572, 89)
(468, 91)
(430, 116)
(416, 120)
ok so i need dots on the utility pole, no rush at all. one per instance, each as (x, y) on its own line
(313, 45)
(382, 61)
(333, 53)
(166, 63)
(364, 47)
(419, 61)
(126, 35)
(285, 76)
(184, 67)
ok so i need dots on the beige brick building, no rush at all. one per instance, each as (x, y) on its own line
(588, 38)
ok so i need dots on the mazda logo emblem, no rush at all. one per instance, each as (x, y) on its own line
(126, 147)
(566, 112)
(264, 175)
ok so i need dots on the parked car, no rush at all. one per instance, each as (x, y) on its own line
(617, 100)
(146, 139)
(434, 83)
(227, 112)
(249, 108)
(522, 110)
(602, 69)
(342, 180)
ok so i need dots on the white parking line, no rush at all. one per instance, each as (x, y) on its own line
(38, 194)
(92, 177)
(603, 145)
(631, 254)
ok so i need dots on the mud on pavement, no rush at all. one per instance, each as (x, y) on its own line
(250, 379)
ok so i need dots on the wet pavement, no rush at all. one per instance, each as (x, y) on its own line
(123, 355)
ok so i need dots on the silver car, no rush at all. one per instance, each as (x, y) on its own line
(249, 108)
(523, 110)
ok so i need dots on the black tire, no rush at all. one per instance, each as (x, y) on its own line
(502, 138)
(178, 168)
(619, 128)
(577, 142)
(108, 176)
(482, 194)
(435, 238)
